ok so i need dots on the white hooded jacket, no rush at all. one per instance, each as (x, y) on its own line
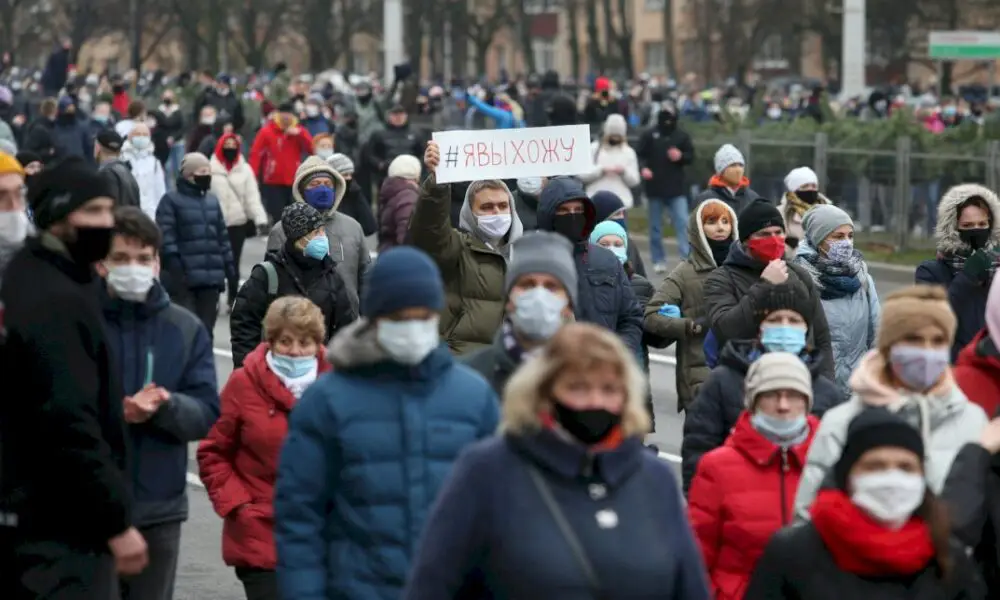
(148, 174)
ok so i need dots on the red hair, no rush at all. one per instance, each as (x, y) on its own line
(714, 211)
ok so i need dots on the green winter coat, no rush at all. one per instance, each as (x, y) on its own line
(473, 272)
(683, 288)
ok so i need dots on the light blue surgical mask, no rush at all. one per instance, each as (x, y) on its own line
(141, 142)
(318, 247)
(537, 313)
(293, 367)
(783, 432)
(408, 342)
(101, 118)
(621, 252)
(783, 338)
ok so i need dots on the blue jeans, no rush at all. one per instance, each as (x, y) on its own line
(173, 166)
(678, 208)
(931, 192)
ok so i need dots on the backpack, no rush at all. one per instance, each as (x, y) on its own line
(272, 279)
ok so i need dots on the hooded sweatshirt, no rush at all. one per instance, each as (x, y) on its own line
(966, 294)
(472, 267)
(148, 174)
(347, 240)
(945, 417)
(683, 288)
(605, 294)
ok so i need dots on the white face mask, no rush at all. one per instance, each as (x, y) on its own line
(208, 121)
(131, 282)
(141, 142)
(324, 153)
(408, 342)
(312, 111)
(494, 227)
(774, 113)
(889, 496)
(13, 226)
(530, 185)
(537, 313)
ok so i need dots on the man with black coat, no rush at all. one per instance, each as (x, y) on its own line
(116, 172)
(65, 449)
(396, 139)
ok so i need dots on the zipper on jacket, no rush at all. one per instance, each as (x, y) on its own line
(784, 470)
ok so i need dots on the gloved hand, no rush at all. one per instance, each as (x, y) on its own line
(977, 266)
(670, 310)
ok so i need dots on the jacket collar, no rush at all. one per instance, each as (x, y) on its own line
(267, 383)
(52, 250)
(573, 461)
(752, 444)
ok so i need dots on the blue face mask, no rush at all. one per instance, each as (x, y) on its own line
(780, 431)
(621, 222)
(100, 118)
(318, 247)
(321, 198)
(292, 367)
(783, 338)
(621, 252)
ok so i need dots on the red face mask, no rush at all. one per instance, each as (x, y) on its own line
(767, 249)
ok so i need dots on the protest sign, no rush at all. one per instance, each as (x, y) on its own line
(513, 153)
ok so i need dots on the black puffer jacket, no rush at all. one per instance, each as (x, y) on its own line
(298, 275)
(720, 401)
(796, 565)
(733, 291)
(972, 494)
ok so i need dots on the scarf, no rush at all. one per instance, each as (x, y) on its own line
(956, 260)
(864, 547)
(838, 279)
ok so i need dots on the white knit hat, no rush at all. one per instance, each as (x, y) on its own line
(800, 177)
(775, 371)
(726, 156)
(405, 166)
(615, 125)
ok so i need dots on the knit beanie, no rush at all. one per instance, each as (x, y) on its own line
(299, 220)
(791, 295)
(727, 156)
(759, 214)
(63, 187)
(608, 228)
(341, 163)
(191, 162)
(615, 125)
(822, 220)
(402, 277)
(606, 204)
(405, 166)
(775, 371)
(802, 176)
(875, 427)
(543, 252)
(10, 165)
(993, 310)
(906, 310)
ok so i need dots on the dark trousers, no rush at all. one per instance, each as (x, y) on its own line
(53, 571)
(237, 236)
(204, 303)
(156, 582)
(259, 584)
(275, 198)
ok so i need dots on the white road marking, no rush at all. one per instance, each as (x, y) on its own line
(669, 457)
(194, 480)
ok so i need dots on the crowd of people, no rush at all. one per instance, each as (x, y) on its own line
(463, 413)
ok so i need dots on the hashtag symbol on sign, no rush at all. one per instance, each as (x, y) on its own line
(451, 158)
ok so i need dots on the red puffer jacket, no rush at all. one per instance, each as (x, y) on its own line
(275, 155)
(977, 373)
(743, 492)
(238, 460)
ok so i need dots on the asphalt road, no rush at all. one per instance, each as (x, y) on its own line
(201, 573)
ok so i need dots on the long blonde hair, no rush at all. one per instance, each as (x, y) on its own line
(575, 347)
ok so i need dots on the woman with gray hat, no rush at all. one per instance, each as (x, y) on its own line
(846, 289)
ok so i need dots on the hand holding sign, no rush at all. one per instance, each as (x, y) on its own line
(432, 156)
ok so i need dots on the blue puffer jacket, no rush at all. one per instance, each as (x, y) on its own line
(605, 294)
(195, 239)
(369, 446)
(161, 343)
(72, 138)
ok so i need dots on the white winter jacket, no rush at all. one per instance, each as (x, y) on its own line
(148, 174)
(237, 193)
(613, 156)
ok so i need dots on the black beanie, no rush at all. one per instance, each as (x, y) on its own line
(758, 215)
(875, 427)
(62, 187)
(791, 295)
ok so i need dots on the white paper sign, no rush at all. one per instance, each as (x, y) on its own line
(512, 153)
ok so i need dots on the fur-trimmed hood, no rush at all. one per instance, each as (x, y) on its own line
(946, 235)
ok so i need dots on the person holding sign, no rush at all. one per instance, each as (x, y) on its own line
(472, 258)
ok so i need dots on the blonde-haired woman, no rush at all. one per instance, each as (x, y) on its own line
(566, 502)
(616, 166)
(238, 460)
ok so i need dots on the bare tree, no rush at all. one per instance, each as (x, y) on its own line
(259, 23)
(670, 57)
(575, 51)
(524, 34)
(484, 21)
(593, 37)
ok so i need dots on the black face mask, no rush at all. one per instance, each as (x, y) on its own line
(720, 249)
(570, 226)
(230, 154)
(615, 141)
(667, 123)
(118, 89)
(90, 245)
(975, 238)
(588, 426)
(808, 196)
(203, 182)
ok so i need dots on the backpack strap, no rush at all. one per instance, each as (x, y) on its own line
(272, 277)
